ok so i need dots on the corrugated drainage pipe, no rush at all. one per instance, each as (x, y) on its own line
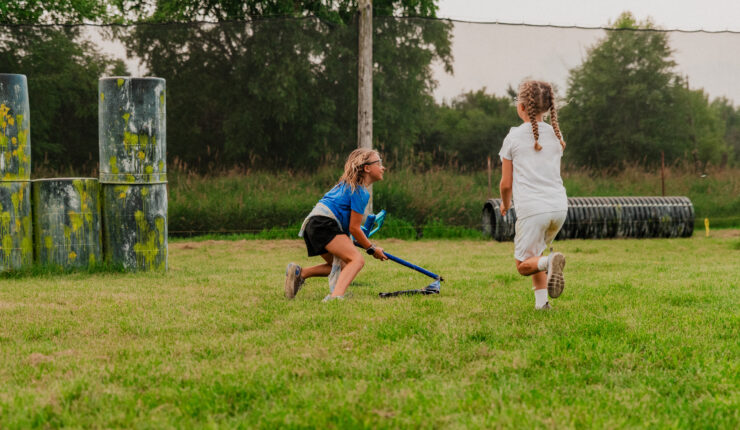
(605, 217)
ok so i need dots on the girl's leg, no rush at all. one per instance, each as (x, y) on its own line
(320, 269)
(342, 247)
(531, 266)
(528, 266)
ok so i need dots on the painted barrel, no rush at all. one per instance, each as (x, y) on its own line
(15, 122)
(16, 228)
(606, 217)
(133, 171)
(67, 218)
(16, 234)
(132, 130)
(135, 226)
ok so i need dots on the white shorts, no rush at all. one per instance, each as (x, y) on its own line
(534, 233)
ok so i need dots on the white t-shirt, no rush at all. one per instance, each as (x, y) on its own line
(537, 185)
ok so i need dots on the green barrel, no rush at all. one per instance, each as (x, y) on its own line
(132, 130)
(66, 217)
(15, 121)
(16, 232)
(135, 225)
(133, 171)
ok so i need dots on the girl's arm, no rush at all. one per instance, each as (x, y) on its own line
(505, 186)
(355, 222)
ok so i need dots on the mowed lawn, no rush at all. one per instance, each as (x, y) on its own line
(646, 334)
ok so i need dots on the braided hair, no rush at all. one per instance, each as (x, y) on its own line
(537, 98)
(353, 169)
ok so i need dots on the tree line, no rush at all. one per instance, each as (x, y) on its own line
(272, 85)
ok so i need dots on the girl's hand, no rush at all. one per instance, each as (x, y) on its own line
(379, 254)
(504, 209)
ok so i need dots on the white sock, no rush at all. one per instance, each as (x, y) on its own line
(540, 298)
(542, 263)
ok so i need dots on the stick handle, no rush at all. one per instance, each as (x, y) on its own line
(412, 266)
(409, 265)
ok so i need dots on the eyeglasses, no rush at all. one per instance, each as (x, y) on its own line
(379, 161)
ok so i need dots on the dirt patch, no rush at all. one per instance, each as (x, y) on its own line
(725, 233)
(194, 245)
(238, 244)
(37, 358)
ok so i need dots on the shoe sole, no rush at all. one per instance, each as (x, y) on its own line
(555, 278)
(290, 280)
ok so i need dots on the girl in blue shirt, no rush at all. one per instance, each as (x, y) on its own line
(338, 214)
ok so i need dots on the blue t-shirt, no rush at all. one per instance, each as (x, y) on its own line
(341, 200)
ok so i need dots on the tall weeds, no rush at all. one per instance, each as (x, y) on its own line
(418, 203)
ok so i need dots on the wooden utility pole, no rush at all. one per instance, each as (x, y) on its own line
(365, 81)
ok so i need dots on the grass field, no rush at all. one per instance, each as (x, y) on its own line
(646, 334)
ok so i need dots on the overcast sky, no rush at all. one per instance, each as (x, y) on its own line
(496, 56)
(669, 14)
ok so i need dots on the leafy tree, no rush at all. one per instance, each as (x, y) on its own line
(469, 130)
(705, 128)
(62, 70)
(51, 11)
(281, 92)
(626, 104)
(730, 116)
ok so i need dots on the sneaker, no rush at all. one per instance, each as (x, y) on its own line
(329, 298)
(293, 280)
(555, 279)
(545, 307)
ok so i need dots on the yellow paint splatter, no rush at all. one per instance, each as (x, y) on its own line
(113, 166)
(7, 244)
(130, 140)
(151, 246)
(76, 220)
(72, 256)
(120, 83)
(122, 190)
(141, 155)
(102, 96)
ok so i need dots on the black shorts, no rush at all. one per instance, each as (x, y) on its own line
(319, 231)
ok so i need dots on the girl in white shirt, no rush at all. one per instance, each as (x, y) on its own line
(530, 158)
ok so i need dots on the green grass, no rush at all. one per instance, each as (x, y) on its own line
(645, 335)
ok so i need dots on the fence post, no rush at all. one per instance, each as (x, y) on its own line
(489, 178)
(662, 173)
